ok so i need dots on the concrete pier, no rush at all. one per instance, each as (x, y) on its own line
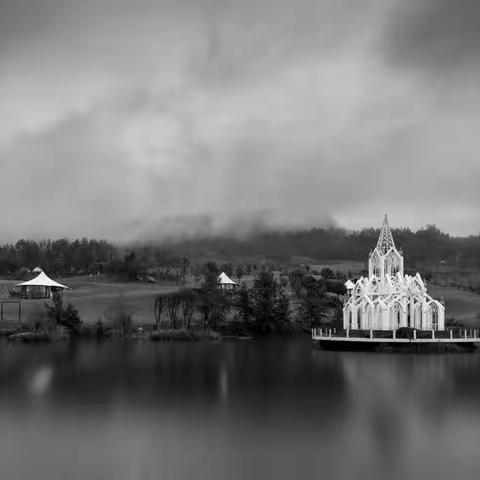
(381, 337)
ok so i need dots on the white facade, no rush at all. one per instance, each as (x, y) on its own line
(388, 299)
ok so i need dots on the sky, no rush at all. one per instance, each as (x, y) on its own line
(154, 118)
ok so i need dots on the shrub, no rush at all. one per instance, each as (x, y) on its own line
(63, 316)
(120, 322)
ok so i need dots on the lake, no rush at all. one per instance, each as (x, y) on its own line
(258, 409)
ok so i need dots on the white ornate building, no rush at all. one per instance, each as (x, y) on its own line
(388, 299)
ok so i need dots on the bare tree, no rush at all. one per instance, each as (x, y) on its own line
(188, 301)
(158, 308)
(173, 304)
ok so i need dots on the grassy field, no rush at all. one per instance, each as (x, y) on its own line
(94, 298)
(460, 305)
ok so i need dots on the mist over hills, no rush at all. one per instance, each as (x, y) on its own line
(224, 225)
(426, 247)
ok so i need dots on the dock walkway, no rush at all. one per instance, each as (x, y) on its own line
(464, 336)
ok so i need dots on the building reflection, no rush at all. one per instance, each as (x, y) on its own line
(400, 404)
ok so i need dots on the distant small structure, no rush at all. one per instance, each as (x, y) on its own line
(42, 286)
(225, 282)
(37, 270)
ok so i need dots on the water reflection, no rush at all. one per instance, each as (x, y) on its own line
(39, 382)
(270, 407)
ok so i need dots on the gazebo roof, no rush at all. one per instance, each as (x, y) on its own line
(41, 280)
(224, 279)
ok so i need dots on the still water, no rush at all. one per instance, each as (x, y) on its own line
(269, 408)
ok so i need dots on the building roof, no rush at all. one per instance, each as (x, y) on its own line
(385, 239)
(41, 280)
(224, 279)
(349, 285)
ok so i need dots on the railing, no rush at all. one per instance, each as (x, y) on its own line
(449, 334)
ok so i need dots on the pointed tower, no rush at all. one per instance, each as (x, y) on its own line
(385, 239)
(385, 258)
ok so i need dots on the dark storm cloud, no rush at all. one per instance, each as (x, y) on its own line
(155, 118)
(437, 36)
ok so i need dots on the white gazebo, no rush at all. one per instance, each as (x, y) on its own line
(42, 286)
(225, 282)
(388, 299)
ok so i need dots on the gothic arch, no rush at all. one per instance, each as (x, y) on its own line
(379, 308)
(370, 314)
(395, 315)
(416, 321)
(434, 311)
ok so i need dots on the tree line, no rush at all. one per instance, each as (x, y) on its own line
(267, 304)
(425, 247)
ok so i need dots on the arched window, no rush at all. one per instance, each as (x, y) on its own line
(416, 321)
(434, 310)
(370, 318)
(395, 316)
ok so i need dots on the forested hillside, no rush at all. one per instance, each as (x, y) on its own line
(425, 247)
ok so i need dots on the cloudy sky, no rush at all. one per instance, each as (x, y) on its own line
(124, 118)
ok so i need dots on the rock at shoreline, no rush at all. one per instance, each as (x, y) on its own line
(36, 337)
(6, 332)
(29, 337)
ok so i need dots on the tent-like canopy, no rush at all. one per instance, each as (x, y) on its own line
(42, 280)
(225, 281)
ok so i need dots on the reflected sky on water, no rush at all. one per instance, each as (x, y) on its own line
(268, 408)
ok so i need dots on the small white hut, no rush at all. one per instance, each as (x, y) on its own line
(42, 286)
(225, 282)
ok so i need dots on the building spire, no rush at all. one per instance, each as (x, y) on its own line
(385, 239)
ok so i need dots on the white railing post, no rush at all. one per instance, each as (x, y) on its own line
(414, 334)
(347, 333)
(465, 334)
(394, 334)
(451, 334)
(329, 332)
(371, 333)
